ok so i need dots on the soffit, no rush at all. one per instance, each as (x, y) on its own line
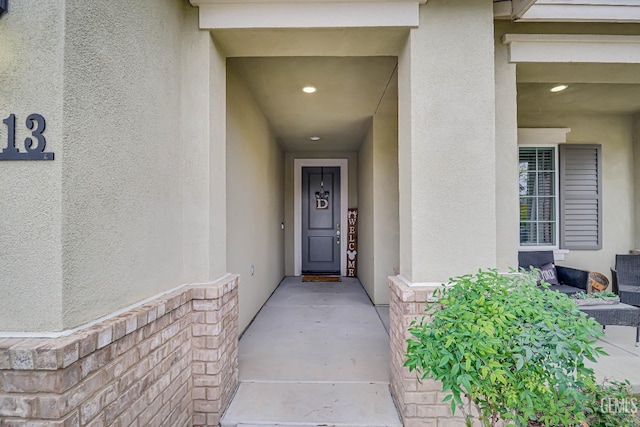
(568, 10)
(311, 41)
(580, 98)
(579, 73)
(350, 91)
(593, 88)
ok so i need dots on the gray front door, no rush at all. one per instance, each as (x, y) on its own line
(321, 220)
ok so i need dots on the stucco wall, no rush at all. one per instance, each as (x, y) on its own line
(136, 118)
(386, 222)
(378, 221)
(447, 142)
(122, 166)
(507, 231)
(636, 178)
(202, 136)
(203, 142)
(289, 158)
(217, 160)
(366, 214)
(31, 81)
(255, 201)
(615, 133)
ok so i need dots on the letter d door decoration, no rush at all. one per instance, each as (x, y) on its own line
(352, 243)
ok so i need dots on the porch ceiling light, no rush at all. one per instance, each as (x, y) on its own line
(309, 89)
(558, 88)
(315, 138)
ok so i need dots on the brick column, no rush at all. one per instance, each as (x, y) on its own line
(215, 351)
(419, 403)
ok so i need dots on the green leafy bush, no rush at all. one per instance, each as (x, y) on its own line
(514, 349)
(595, 295)
(613, 405)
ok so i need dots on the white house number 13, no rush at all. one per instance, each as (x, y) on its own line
(33, 146)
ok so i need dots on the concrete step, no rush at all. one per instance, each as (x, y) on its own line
(311, 404)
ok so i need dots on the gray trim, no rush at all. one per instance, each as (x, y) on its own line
(580, 196)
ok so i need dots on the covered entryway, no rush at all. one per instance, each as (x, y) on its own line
(296, 160)
(578, 94)
(296, 163)
(317, 353)
(288, 194)
(395, 91)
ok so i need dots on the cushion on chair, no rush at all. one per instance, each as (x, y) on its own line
(549, 274)
(571, 280)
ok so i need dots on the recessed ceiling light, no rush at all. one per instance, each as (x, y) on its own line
(309, 89)
(315, 138)
(559, 88)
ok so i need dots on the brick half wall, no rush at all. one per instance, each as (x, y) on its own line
(418, 402)
(171, 362)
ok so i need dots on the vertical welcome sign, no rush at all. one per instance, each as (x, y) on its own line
(352, 243)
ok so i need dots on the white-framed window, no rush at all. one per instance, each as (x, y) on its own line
(538, 186)
(560, 191)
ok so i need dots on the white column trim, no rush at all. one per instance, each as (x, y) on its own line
(520, 7)
(448, 285)
(586, 48)
(580, 11)
(301, 14)
(298, 164)
(502, 10)
(419, 284)
(568, 10)
(545, 137)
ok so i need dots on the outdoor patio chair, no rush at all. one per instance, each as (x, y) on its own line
(570, 280)
(626, 278)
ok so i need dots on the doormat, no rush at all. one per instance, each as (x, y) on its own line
(308, 278)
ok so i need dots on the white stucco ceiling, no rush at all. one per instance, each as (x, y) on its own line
(350, 91)
(593, 88)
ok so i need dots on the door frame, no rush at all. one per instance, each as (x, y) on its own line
(298, 164)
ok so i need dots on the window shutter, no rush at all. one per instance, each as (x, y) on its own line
(580, 196)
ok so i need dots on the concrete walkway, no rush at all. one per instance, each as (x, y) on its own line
(316, 354)
(623, 361)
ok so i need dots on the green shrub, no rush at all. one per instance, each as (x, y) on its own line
(613, 405)
(595, 295)
(512, 348)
